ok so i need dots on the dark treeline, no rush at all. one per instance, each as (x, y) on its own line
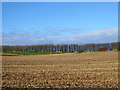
(63, 48)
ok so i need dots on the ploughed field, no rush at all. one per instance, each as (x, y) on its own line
(91, 69)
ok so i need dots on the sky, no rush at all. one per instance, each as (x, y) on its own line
(31, 23)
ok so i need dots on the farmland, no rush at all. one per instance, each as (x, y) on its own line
(32, 53)
(90, 69)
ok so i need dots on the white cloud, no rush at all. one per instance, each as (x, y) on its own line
(97, 36)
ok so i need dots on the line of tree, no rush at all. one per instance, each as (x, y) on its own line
(63, 48)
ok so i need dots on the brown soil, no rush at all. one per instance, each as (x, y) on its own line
(95, 69)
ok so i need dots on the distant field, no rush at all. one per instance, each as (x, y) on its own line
(90, 69)
(32, 53)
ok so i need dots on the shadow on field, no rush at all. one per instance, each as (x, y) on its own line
(8, 55)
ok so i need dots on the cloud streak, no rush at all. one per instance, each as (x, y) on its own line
(58, 37)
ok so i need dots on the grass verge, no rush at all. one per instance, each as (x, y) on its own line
(32, 53)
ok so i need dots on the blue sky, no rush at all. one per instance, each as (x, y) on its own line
(25, 23)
